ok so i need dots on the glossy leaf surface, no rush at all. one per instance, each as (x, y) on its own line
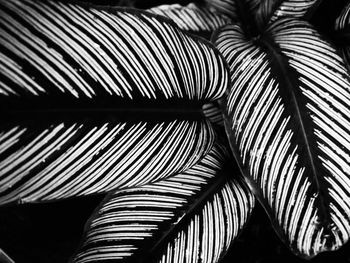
(287, 116)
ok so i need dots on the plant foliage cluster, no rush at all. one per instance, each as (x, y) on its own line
(177, 118)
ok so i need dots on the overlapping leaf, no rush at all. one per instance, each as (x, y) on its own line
(214, 113)
(287, 116)
(264, 11)
(94, 99)
(342, 26)
(191, 217)
(271, 10)
(193, 18)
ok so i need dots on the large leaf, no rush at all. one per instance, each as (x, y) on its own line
(342, 27)
(287, 116)
(191, 217)
(93, 99)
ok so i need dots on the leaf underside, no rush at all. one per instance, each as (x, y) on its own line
(191, 217)
(287, 116)
(97, 99)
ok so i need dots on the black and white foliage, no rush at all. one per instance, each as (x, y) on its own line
(192, 18)
(87, 53)
(289, 125)
(54, 143)
(190, 217)
(70, 159)
(131, 103)
(95, 100)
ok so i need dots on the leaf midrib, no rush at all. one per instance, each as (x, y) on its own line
(279, 64)
(203, 197)
(142, 112)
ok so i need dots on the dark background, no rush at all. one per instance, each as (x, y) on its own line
(50, 233)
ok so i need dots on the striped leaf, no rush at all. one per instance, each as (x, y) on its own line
(271, 10)
(214, 113)
(193, 18)
(342, 27)
(68, 51)
(287, 116)
(93, 100)
(256, 15)
(70, 159)
(191, 217)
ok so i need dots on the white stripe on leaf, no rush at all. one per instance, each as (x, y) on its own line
(286, 8)
(192, 17)
(213, 112)
(165, 222)
(288, 117)
(55, 56)
(88, 52)
(67, 160)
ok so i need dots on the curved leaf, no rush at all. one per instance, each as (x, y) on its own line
(193, 18)
(287, 116)
(191, 217)
(52, 48)
(342, 26)
(72, 159)
(93, 99)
